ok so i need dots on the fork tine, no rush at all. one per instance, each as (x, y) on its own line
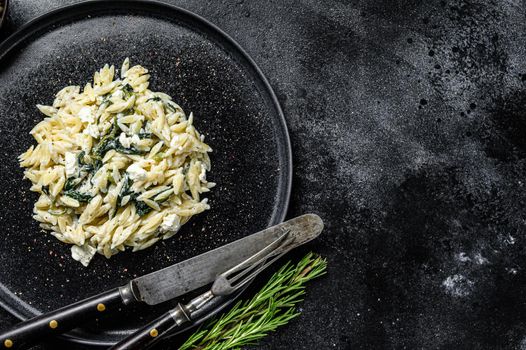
(223, 285)
(256, 272)
(258, 263)
(257, 257)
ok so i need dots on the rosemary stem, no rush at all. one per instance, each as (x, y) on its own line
(272, 307)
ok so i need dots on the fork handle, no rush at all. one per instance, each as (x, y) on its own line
(155, 330)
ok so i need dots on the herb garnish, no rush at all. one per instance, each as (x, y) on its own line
(167, 104)
(142, 208)
(121, 149)
(45, 189)
(273, 306)
(110, 141)
(106, 100)
(81, 197)
(128, 91)
(145, 135)
(170, 106)
(125, 189)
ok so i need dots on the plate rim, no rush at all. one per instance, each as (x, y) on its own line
(46, 20)
(3, 15)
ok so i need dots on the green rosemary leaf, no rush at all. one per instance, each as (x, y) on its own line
(272, 307)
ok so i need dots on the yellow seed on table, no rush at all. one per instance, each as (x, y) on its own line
(101, 307)
(53, 324)
(154, 333)
(8, 343)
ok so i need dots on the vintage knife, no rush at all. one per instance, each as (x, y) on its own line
(159, 286)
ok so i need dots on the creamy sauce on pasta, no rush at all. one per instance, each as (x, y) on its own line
(116, 165)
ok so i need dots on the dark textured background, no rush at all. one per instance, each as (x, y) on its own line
(409, 136)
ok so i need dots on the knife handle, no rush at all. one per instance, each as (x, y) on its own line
(155, 330)
(26, 333)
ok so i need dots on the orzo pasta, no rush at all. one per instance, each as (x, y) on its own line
(116, 165)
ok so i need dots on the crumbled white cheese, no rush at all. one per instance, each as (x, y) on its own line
(128, 141)
(171, 223)
(136, 173)
(125, 140)
(92, 130)
(70, 164)
(118, 94)
(83, 254)
(88, 188)
(135, 139)
(86, 115)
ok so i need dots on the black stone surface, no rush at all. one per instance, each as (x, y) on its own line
(409, 136)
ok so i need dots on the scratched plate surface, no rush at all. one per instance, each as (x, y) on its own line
(206, 73)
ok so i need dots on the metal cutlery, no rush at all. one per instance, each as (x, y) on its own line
(162, 285)
(225, 284)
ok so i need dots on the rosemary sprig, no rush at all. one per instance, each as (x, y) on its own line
(273, 306)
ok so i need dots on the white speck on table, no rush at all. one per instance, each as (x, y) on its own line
(458, 286)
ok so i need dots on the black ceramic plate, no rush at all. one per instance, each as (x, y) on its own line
(3, 14)
(207, 73)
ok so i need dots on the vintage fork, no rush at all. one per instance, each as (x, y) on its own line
(225, 284)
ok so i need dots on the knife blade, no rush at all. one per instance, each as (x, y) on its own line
(161, 285)
(226, 284)
(196, 272)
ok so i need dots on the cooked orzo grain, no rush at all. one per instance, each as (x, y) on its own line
(116, 165)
